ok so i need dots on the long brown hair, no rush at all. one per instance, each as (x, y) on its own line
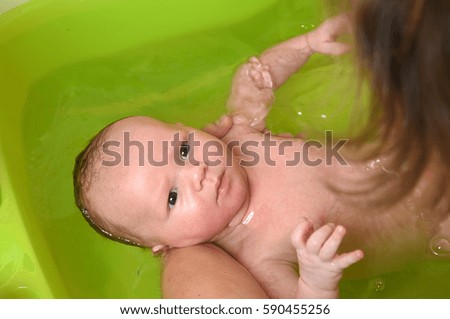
(403, 50)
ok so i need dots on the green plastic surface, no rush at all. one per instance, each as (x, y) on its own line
(68, 68)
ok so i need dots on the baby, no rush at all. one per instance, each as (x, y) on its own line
(262, 198)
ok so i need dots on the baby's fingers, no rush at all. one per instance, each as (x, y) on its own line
(319, 238)
(301, 234)
(330, 247)
(345, 260)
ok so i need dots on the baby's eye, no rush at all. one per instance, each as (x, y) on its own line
(172, 198)
(184, 150)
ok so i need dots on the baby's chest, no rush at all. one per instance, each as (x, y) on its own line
(266, 248)
(269, 239)
(300, 189)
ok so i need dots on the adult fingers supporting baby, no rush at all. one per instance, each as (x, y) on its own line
(330, 247)
(220, 128)
(319, 238)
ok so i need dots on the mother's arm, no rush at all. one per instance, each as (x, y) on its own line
(206, 271)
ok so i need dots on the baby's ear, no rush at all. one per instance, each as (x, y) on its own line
(158, 248)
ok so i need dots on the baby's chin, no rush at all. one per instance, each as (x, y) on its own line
(188, 243)
(205, 235)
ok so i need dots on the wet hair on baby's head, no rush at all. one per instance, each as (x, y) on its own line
(83, 173)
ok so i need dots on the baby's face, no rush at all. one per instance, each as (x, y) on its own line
(186, 199)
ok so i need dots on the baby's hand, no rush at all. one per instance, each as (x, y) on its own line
(260, 74)
(323, 38)
(320, 266)
(251, 95)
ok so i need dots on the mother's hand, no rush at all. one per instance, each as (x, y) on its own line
(219, 128)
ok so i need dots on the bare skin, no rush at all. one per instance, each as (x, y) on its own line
(182, 205)
(272, 218)
(206, 272)
(399, 234)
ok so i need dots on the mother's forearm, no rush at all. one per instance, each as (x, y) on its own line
(206, 271)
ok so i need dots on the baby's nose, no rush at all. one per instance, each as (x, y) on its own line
(194, 175)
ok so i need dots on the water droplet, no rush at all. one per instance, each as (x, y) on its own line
(440, 246)
(248, 218)
(307, 27)
(374, 164)
(377, 164)
(379, 285)
(411, 206)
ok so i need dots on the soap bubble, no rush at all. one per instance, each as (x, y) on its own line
(440, 246)
(379, 285)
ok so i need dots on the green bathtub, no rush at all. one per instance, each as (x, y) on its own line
(69, 67)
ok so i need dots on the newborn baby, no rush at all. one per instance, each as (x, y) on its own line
(262, 198)
(164, 185)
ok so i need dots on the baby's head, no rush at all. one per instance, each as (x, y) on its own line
(154, 184)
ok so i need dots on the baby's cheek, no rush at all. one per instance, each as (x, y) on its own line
(214, 221)
(198, 225)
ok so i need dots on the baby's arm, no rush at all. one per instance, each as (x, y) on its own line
(320, 266)
(254, 82)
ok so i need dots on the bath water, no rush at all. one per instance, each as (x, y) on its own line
(180, 79)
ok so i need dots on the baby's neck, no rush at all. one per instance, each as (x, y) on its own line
(251, 217)
(278, 195)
